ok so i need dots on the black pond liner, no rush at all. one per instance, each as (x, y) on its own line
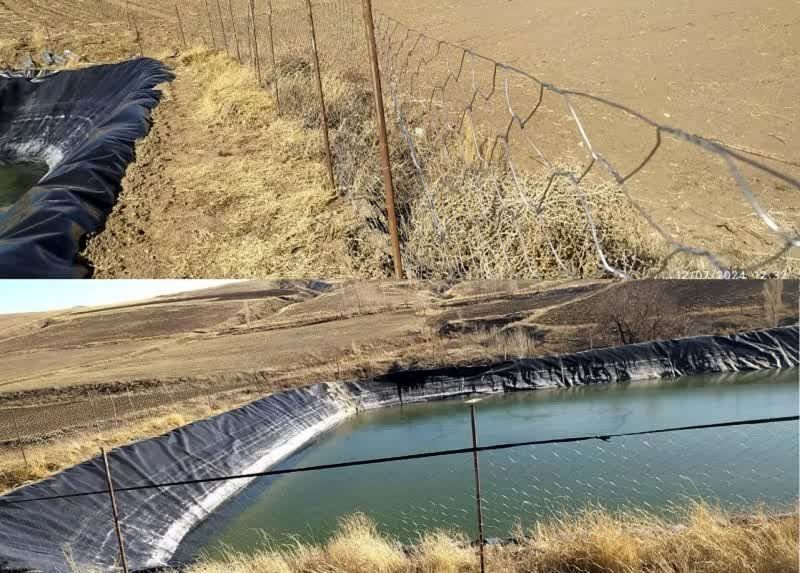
(83, 124)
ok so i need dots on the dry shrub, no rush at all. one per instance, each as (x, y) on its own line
(358, 548)
(461, 218)
(519, 342)
(482, 221)
(442, 552)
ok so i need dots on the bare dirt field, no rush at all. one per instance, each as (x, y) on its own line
(226, 188)
(718, 68)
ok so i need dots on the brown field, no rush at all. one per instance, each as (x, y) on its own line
(722, 69)
(225, 187)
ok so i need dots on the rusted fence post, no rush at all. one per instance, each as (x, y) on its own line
(211, 26)
(138, 36)
(323, 115)
(222, 25)
(19, 439)
(256, 59)
(49, 39)
(476, 466)
(272, 58)
(180, 24)
(235, 34)
(118, 529)
(380, 118)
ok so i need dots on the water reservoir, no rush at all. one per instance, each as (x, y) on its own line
(737, 467)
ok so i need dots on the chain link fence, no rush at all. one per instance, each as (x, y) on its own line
(38, 439)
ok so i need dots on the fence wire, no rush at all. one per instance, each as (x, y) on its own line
(659, 473)
(29, 435)
(498, 172)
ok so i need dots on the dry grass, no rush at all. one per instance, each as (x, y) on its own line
(91, 43)
(45, 459)
(254, 182)
(230, 93)
(703, 540)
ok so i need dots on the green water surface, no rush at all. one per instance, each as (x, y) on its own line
(16, 179)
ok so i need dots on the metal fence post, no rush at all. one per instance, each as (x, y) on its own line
(380, 118)
(323, 115)
(180, 24)
(211, 26)
(272, 58)
(255, 56)
(114, 409)
(49, 39)
(19, 439)
(165, 388)
(138, 36)
(130, 400)
(114, 512)
(477, 484)
(222, 25)
(235, 34)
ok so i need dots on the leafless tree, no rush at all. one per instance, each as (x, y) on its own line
(640, 311)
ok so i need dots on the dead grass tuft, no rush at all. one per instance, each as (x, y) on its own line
(358, 547)
(703, 540)
(231, 94)
(442, 552)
